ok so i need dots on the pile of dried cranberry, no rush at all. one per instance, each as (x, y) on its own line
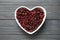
(30, 20)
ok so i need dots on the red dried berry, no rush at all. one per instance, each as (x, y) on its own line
(30, 20)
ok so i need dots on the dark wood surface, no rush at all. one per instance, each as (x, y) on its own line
(9, 29)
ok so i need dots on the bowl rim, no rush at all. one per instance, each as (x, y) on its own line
(30, 10)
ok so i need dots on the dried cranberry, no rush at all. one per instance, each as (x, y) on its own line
(30, 20)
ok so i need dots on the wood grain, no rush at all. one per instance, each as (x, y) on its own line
(7, 12)
(9, 29)
(10, 1)
(29, 37)
(7, 8)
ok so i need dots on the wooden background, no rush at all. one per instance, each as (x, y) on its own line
(9, 29)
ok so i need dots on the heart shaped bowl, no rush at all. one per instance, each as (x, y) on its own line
(30, 10)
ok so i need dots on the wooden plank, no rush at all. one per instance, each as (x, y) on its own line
(32, 3)
(30, 37)
(11, 27)
(29, 1)
(7, 11)
(7, 7)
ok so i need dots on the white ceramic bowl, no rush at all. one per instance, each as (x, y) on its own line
(30, 10)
